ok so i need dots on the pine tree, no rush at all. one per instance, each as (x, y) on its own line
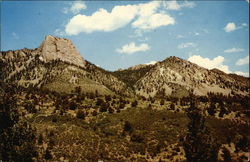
(199, 145)
(17, 137)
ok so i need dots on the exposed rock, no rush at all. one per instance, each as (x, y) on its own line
(177, 77)
(54, 48)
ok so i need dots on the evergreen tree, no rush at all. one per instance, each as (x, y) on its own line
(199, 145)
(16, 136)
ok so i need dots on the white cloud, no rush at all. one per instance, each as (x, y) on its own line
(137, 33)
(145, 15)
(196, 33)
(247, 1)
(59, 32)
(132, 48)
(101, 20)
(233, 50)
(15, 35)
(174, 5)
(243, 61)
(242, 73)
(153, 21)
(147, 9)
(186, 45)
(65, 10)
(75, 7)
(188, 4)
(244, 24)
(151, 63)
(216, 62)
(180, 36)
(230, 27)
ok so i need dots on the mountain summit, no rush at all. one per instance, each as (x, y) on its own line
(58, 66)
(177, 77)
(63, 49)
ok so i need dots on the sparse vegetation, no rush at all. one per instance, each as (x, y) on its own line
(58, 111)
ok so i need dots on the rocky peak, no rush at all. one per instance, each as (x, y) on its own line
(173, 58)
(54, 48)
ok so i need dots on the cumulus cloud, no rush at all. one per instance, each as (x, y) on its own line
(243, 61)
(145, 17)
(153, 21)
(174, 5)
(101, 20)
(233, 50)
(75, 7)
(151, 63)
(133, 48)
(186, 45)
(216, 62)
(230, 27)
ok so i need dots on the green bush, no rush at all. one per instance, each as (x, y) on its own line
(127, 127)
(80, 114)
(134, 104)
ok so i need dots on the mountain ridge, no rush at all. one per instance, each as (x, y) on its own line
(57, 62)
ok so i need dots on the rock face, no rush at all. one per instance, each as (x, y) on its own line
(54, 48)
(177, 77)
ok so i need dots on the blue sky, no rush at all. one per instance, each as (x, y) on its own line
(120, 34)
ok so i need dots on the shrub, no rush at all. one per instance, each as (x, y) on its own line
(94, 113)
(107, 98)
(127, 127)
(80, 114)
(136, 137)
(121, 106)
(212, 109)
(99, 102)
(110, 110)
(54, 119)
(172, 106)
(103, 108)
(226, 154)
(134, 104)
(47, 155)
(40, 139)
(72, 105)
(30, 108)
(162, 102)
(91, 95)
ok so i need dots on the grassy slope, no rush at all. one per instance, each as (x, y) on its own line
(87, 85)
